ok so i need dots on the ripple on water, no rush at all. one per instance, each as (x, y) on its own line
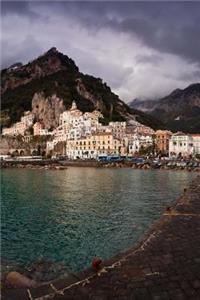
(60, 220)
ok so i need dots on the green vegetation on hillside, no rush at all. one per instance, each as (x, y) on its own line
(55, 73)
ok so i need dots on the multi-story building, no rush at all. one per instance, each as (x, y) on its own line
(18, 128)
(118, 129)
(8, 131)
(162, 140)
(80, 123)
(98, 144)
(144, 130)
(37, 127)
(196, 143)
(181, 144)
(21, 127)
(28, 118)
(76, 118)
(138, 141)
(71, 116)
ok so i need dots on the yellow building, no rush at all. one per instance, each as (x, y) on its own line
(93, 146)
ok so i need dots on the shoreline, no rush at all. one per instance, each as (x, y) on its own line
(63, 165)
(160, 251)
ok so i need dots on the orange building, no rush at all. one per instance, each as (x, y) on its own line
(162, 140)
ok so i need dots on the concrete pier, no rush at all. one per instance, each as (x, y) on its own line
(164, 265)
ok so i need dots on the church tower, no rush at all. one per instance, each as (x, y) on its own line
(74, 106)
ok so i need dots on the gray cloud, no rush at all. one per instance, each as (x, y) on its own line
(141, 49)
(149, 59)
(184, 41)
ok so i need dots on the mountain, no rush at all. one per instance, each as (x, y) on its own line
(48, 85)
(179, 111)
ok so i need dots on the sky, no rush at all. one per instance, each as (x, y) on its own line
(140, 49)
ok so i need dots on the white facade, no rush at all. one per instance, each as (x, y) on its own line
(138, 141)
(20, 128)
(181, 144)
(44, 132)
(196, 143)
(28, 118)
(8, 131)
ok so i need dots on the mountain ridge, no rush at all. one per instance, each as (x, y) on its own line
(55, 78)
(179, 111)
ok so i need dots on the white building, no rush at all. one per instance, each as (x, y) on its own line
(79, 123)
(181, 144)
(28, 118)
(8, 131)
(138, 141)
(21, 127)
(71, 116)
(196, 143)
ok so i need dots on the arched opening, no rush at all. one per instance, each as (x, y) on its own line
(22, 152)
(34, 153)
(43, 153)
(16, 153)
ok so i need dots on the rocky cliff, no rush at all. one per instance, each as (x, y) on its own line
(180, 110)
(50, 83)
(47, 109)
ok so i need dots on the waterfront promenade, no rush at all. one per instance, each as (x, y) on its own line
(165, 264)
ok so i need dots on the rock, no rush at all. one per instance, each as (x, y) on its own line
(17, 280)
(47, 109)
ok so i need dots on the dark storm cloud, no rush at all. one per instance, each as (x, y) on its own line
(125, 43)
(17, 8)
(172, 27)
(184, 41)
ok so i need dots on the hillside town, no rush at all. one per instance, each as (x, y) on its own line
(85, 137)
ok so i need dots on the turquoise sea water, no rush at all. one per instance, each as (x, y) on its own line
(68, 216)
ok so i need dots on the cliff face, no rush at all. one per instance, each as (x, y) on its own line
(47, 109)
(180, 110)
(50, 83)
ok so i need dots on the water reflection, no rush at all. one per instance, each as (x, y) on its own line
(72, 215)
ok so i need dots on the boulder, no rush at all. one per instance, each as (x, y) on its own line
(17, 280)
